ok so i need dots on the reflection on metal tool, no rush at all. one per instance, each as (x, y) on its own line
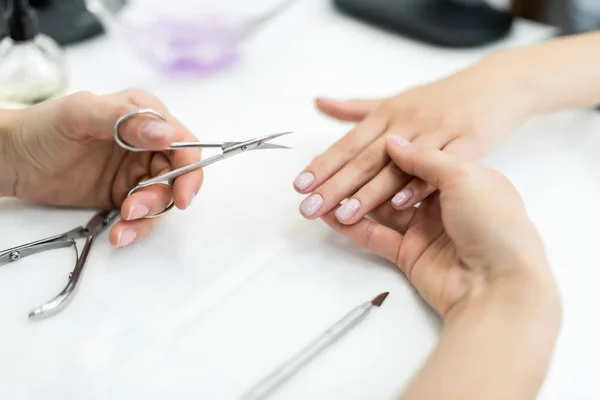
(96, 225)
(293, 365)
(228, 149)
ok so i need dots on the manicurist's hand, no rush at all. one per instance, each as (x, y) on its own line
(474, 255)
(62, 153)
(465, 115)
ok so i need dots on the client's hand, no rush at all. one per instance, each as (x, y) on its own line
(62, 153)
(473, 254)
(461, 241)
(465, 114)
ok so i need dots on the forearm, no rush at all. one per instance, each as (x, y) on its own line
(560, 74)
(7, 173)
(499, 348)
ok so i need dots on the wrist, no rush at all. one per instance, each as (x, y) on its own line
(510, 67)
(521, 290)
(8, 175)
(559, 74)
(513, 324)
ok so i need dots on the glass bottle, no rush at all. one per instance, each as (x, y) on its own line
(32, 65)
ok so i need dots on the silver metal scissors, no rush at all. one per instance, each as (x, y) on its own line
(228, 149)
(96, 225)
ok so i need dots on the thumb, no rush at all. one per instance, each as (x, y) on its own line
(431, 165)
(88, 116)
(347, 110)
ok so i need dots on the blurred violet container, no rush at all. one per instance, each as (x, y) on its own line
(196, 39)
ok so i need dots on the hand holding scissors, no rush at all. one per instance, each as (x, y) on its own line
(168, 179)
(63, 153)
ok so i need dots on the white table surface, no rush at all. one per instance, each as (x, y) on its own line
(222, 293)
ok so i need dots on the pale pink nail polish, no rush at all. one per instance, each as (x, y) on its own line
(311, 205)
(303, 181)
(348, 210)
(402, 197)
(157, 131)
(126, 237)
(137, 211)
(398, 141)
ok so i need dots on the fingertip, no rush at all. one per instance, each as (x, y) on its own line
(157, 134)
(122, 235)
(325, 101)
(126, 233)
(136, 207)
(403, 198)
(304, 182)
(310, 207)
(348, 213)
(185, 191)
(396, 141)
(113, 236)
(148, 132)
(148, 201)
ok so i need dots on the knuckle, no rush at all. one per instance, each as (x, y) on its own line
(451, 121)
(143, 98)
(460, 173)
(395, 170)
(83, 96)
(369, 161)
(387, 107)
(318, 163)
(70, 107)
(136, 94)
(402, 261)
(367, 234)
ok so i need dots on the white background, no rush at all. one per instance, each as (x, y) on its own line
(224, 292)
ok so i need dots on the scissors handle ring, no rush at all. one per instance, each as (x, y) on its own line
(149, 183)
(126, 117)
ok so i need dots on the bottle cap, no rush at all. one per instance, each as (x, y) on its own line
(21, 21)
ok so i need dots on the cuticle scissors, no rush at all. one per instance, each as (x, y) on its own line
(228, 149)
(96, 225)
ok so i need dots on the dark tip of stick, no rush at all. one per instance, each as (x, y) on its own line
(377, 301)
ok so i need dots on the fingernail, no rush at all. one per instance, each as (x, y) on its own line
(138, 211)
(303, 181)
(192, 197)
(402, 197)
(126, 237)
(311, 205)
(398, 141)
(348, 210)
(157, 131)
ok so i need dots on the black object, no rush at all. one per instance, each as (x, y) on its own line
(447, 23)
(66, 21)
(21, 21)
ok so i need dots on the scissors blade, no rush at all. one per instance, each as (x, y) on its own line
(261, 142)
(256, 144)
(267, 146)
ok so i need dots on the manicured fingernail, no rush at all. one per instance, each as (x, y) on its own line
(192, 197)
(311, 205)
(348, 210)
(137, 211)
(402, 197)
(397, 141)
(303, 181)
(157, 131)
(126, 237)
